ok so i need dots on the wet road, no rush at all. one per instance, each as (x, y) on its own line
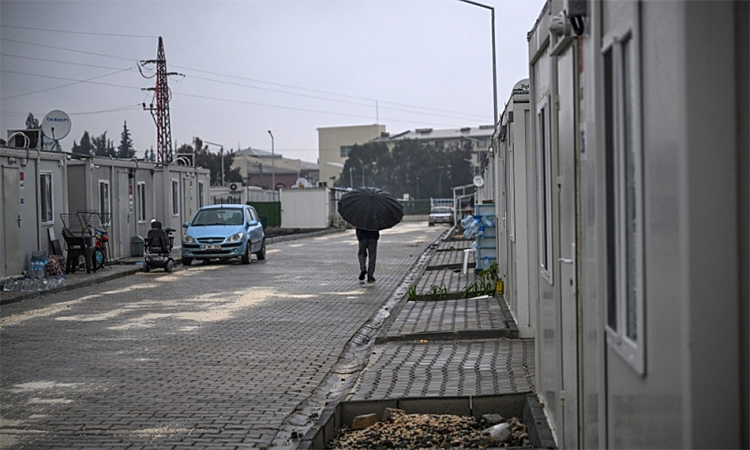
(214, 356)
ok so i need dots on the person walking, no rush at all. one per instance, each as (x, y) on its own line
(368, 249)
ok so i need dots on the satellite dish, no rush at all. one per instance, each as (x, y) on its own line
(56, 125)
(302, 183)
(478, 181)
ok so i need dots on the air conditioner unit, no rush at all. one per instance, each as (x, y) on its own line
(34, 135)
(233, 187)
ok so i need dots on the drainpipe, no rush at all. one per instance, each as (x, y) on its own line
(135, 197)
(36, 193)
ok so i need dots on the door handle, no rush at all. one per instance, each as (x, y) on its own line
(566, 260)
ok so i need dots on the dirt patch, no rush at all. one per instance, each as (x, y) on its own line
(426, 431)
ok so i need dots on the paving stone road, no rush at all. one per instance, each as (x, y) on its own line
(215, 356)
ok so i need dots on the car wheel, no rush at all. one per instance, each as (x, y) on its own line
(187, 261)
(146, 268)
(262, 252)
(431, 224)
(246, 255)
(170, 266)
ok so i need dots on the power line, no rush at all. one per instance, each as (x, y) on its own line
(260, 81)
(81, 32)
(66, 49)
(59, 62)
(329, 99)
(323, 92)
(63, 79)
(301, 109)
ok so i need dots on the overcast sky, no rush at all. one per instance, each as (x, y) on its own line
(253, 66)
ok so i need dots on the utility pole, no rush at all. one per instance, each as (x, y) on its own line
(160, 112)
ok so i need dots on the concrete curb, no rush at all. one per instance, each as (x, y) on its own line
(78, 284)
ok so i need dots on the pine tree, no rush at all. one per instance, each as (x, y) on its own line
(85, 146)
(31, 122)
(125, 149)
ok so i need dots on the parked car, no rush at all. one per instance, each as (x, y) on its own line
(223, 232)
(441, 214)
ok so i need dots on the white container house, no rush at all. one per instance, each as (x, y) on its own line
(640, 132)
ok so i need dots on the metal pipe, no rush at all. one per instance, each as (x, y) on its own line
(273, 163)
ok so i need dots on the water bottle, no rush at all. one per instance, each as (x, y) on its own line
(43, 284)
(53, 283)
(8, 286)
(62, 282)
(26, 285)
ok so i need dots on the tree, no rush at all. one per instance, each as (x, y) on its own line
(412, 166)
(85, 147)
(125, 149)
(212, 162)
(31, 122)
(103, 146)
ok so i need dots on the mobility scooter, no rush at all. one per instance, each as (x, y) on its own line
(158, 248)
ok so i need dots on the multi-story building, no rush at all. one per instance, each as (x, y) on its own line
(480, 138)
(261, 168)
(334, 144)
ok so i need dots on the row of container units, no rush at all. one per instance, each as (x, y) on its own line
(40, 186)
(619, 172)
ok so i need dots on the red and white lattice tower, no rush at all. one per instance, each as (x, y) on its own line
(160, 112)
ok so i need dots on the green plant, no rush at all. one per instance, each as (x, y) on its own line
(411, 293)
(485, 283)
(438, 292)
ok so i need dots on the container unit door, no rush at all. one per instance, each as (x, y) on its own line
(13, 258)
(566, 263)
(119, 235)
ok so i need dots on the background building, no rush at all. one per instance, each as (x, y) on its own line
(260, 168)
(334, 144)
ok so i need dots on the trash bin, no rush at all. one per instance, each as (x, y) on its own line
(264, 221)
(136, 246)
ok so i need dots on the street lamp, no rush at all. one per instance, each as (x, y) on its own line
(494, 65)
(221, 152)
(273, 163)
(363, 171)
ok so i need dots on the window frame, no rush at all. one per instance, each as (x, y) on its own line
(175, 197)
(140, 198)
(544, 187)
(105, 202)
(201, 194)
(344, 150)
(46, 198)
(625, 245)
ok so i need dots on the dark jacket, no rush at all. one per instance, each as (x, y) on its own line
(367, 234)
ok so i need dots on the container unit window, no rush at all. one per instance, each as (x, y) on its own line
(140, 193)
(105, 201)
(46, 205)
(201, 194)
(544, 188)
(624, 197)
(175, 197)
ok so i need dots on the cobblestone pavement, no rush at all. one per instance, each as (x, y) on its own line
(449, 316)
(443, 348)
(214, 356)
(448, 368)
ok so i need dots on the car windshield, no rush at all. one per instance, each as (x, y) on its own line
(441, 210)
(215, 216)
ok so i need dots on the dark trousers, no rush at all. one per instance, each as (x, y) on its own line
(367, 247)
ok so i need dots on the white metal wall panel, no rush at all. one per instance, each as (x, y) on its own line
(304, 208)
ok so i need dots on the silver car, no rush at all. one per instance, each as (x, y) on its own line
(441, 214)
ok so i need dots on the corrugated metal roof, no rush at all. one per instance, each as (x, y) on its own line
(482, 131)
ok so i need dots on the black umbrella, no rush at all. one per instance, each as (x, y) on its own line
(370, 209)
